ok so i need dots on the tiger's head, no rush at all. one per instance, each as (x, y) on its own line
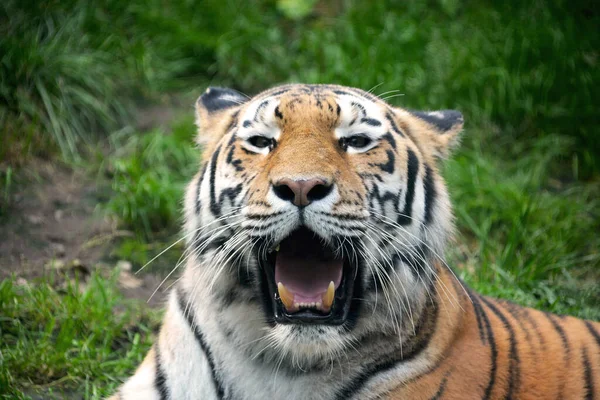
(322, 205)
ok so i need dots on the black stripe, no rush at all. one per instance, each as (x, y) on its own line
(514, 362)
(203, 244)
(344, 216)
(230, 193)
(273, 221)
(263, 216)
(215, 208)
(202, 342)
(237, 163)
(370, 121)
(532, 321)
(384, 198)
(279, 92)
(360, 107)
(493, 350)
(593, 332)
(448, 119)
(562, 334)
(479, 317)
(388, 137)
(441, 388)
(389, 165)
(589, 378)
(413, 168)
(341, 92)
(198, 188)
(426, 324)
(415, 260)
(160, 380)
(430, 193)
(567, 349)
(278, 113)
(390, 119)
(259, 109)
(518, 317)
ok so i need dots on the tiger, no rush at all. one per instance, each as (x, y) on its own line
(315, 234)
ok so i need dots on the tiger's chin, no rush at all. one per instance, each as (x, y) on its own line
(309, 345)
(307, 280)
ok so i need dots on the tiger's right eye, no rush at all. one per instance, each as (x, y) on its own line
(260, 141)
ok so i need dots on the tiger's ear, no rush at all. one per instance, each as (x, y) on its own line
(215, 109)
(442, 129)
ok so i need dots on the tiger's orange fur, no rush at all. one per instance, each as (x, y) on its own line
(494, 349)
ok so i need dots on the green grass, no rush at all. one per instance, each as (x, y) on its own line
(77, 340)
(523, 234)
(149, 172)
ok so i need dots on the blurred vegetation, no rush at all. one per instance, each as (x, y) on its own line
(530, 67)
(525, 183)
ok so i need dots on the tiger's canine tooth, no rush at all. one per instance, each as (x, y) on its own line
(286, 297)
(277, 248)
(328, 296)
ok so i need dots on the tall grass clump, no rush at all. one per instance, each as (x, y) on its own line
(72, 69)
(148, 174)
(52, 79)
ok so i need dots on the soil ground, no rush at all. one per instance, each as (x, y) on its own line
(53, 225)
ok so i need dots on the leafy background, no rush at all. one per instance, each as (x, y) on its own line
(75, 74)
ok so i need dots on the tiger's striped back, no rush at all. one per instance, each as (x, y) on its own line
(500, 350)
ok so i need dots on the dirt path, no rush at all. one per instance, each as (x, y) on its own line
(54, 222)
(54, 227)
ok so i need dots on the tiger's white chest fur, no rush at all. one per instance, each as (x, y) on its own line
(244, 366)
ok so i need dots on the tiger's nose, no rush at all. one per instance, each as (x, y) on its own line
(302, 192)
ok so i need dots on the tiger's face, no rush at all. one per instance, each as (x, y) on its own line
(323, 206)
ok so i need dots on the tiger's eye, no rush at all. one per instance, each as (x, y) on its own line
(357, 141)
(260, 141)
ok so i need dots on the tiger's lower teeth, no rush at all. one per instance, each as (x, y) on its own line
(307, 305)
(287, 298)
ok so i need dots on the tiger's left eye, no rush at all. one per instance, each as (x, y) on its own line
(356, 141)
(260, 141)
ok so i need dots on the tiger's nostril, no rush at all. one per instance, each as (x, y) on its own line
(284, 192)
(318, 192)
(302, 192)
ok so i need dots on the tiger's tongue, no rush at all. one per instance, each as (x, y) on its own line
(307, 278)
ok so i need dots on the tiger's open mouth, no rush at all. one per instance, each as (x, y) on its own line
(308, 281)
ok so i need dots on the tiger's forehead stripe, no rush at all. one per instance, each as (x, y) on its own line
(337, 108)
(256, 119)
